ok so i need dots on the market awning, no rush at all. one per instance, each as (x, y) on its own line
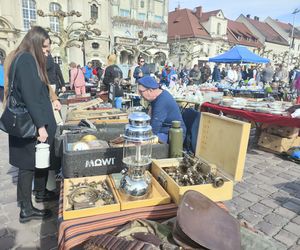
(239, 54)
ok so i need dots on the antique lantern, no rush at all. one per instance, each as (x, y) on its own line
(136, 182)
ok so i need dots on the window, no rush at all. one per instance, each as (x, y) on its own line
(57, 60)
(142, 16)
(124, 13)
(158, 19)
(299, 47)
(142, 4)
(94, 11)
(218, 29)
(54, 23)
(29, 13)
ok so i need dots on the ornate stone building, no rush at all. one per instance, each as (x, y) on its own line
(139, 27)
(81, 43)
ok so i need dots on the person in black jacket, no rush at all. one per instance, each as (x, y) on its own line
(55, 75)
(31, 89)
(112, 72)
(60, 82)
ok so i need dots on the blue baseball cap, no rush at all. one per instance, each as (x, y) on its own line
(148, 82)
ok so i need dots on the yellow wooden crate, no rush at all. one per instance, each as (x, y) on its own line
(157, 197)
(221, 141)
(72, 214)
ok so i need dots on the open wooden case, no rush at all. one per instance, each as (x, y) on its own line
(98, 208)
(221, 141)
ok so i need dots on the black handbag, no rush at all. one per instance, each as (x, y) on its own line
(16, 120)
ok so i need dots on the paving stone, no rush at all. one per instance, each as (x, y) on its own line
(270, 189)
(293, 185)
(286, 213)
(260, 167)
(48, 242)
(280, 196)
(293, 228)
(240, 189)
(46, 228)
(267, 228)
(251, 197)
(258, 191)
(7, 242)
(287, 176)
(270, 203)
(276, 219)
(277, 180)
(286, 238)
(261, 209)
(296, 220)
(294, 247)
(242, 203)
(250, 216)
(292, 206)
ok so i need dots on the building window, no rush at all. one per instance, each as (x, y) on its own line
(57, 60)
(142, 4)
(158, 19)
(142, 16)
(94, 11)
(299, 47)
(29, 13)
(124, 13)
(218, 29)
(54, 23)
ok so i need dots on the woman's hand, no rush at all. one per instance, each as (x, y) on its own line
(63, 89)
(43, 135)
(56, 104)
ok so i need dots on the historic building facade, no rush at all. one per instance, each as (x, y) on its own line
(70, 24)
(139, 28)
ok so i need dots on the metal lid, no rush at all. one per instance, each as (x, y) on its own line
(176, 124)
(139, 128)
(139, 119)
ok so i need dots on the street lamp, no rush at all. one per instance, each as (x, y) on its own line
(292, 35)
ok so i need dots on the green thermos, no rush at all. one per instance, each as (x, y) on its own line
(175, 140)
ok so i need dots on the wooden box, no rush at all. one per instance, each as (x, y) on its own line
(221, 141)
(276, 143)
(286, 132)
(157, 197)
(72, 214)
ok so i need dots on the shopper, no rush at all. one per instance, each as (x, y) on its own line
(112, 72)
(164, 108)
(1, 81)
(31, 88)
(88, 72)
(141, 70)
(77, 79)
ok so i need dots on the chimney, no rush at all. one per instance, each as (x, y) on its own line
(256, 18)
(248, 15)
(198, 12)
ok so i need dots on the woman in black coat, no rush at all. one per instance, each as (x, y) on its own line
(31, 88)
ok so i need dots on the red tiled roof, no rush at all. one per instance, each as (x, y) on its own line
(238, 33)
(270, 34)
(206, 15)
(287, 27)
(184, 23)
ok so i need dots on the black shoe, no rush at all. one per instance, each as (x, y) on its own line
(46, 196)
(32, 213)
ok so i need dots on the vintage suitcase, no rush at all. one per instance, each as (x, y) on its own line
(285, 132)
(221, 141)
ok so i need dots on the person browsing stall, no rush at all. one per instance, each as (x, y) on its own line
(164, 108)
(141, 70)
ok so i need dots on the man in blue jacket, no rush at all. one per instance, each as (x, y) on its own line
(164, 108)
(141, 70)
(88, 72)
(1, 81)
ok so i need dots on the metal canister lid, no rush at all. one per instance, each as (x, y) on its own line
(139, 119)
(176, 124)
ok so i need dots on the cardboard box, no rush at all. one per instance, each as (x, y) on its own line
(157, 197)
(72, 214)
(286, 132)
(221, 141)
(276, 143)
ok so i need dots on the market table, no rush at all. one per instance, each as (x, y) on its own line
(75, 231)
(253, 116)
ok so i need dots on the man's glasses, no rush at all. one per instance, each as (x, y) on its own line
(142, 61)
(142, 91)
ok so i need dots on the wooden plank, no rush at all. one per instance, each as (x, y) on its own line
(88, 104)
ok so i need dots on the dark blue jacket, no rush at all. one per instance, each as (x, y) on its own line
(145, 69)
(164, 111)
(216, 75)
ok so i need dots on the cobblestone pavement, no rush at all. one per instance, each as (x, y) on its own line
(268, 198)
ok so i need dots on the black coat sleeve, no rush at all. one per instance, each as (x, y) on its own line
(31, 88)
(59, 75)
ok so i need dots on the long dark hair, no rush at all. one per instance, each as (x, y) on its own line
(33, 42)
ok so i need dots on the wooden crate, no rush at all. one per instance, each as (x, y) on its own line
(221, 141)
(276, 143)
(285, 132)
(157, 197)
(72, 214)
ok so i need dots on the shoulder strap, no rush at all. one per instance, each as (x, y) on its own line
(13, 74)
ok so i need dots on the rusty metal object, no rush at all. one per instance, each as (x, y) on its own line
(195, 171)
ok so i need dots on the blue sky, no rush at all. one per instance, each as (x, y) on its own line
(277, 9)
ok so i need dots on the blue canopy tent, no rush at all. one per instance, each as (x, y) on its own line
(238, 54)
